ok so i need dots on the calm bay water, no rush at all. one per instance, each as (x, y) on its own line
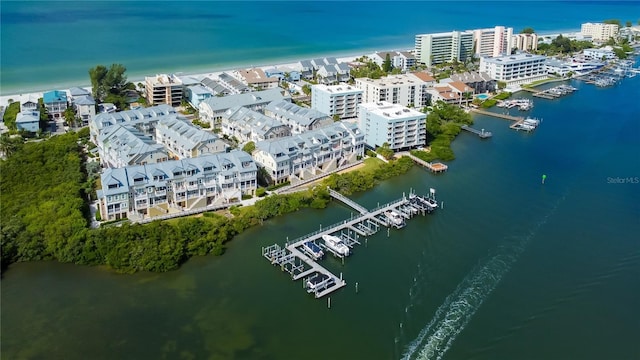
(49, 44)
(509, 269)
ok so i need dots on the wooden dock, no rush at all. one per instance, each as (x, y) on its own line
(317, 279)
(498, 115)
(482, 134)
(433, 167)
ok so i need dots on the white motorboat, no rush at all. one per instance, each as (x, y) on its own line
(336, 244)
(395, 218)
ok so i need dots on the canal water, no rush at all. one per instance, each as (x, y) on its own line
(508, 268)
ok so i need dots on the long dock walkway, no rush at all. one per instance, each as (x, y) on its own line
(336, 195)
(317, 279)
(498, 115)
(482, 134)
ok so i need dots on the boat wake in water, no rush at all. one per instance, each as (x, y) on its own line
(452, 316)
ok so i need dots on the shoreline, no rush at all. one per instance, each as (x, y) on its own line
(207, 70)
(197, 72)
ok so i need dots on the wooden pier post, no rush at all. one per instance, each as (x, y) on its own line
(328, 303)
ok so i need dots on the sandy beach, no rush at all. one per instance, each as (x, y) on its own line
(34, 96)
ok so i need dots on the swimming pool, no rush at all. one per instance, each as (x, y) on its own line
(482, 96)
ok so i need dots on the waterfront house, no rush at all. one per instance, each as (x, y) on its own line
(396, 125)
(28, 121)
(249, 125)
(216, 88)
(403, 60)
(56, 103)
(306, 69)
(196, 94)
(312, 153)
(157, 189)
(257, 79)
(341, 100)
(29, 106)
(299, 119)
(233, 84)
(212, 109)
(85, 108)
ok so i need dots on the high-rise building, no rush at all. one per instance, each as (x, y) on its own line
(438, 48)
(493, 42)
(599, 31)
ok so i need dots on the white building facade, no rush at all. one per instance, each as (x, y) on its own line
(405, 89)
(515, 69)
(394, 124)
(599, 31)
(315, 152)
(438, 48)
(341, 100)
(494, 41)
(156, 189)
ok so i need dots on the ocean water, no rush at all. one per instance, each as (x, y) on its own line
(509, 268)
(52, 44)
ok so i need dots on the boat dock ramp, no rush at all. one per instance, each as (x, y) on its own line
(481, 133)
(433, 167)
(300, 257)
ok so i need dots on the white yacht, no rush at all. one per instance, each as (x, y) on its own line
(395, 218)
(336, 244)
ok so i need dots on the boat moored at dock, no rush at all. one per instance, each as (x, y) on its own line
(336, 244)
(395, 219)
(313, 250)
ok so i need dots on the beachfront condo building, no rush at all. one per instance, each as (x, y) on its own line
(164, 89)
(146, 191)
(437, 48)
(256, 78)
(56, 103)
(599, 31)
(404, 89)
(249, 125)
(403, 60)
(340, 100)
(525, 42)
(515, 69)
(310, 154)
(299, 119)
(396, 125)
(212, 109)
(494, 41)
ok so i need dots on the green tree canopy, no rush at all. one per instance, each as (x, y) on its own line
(110, 85)
(612, 21)
(249, 147)
(527, 30)
(386, 65)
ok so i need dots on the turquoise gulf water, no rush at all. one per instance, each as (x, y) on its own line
(510, 268)
(52, 44)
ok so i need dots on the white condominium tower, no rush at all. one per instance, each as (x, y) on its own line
(599, 31)
(438, 48)
(494, 41)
